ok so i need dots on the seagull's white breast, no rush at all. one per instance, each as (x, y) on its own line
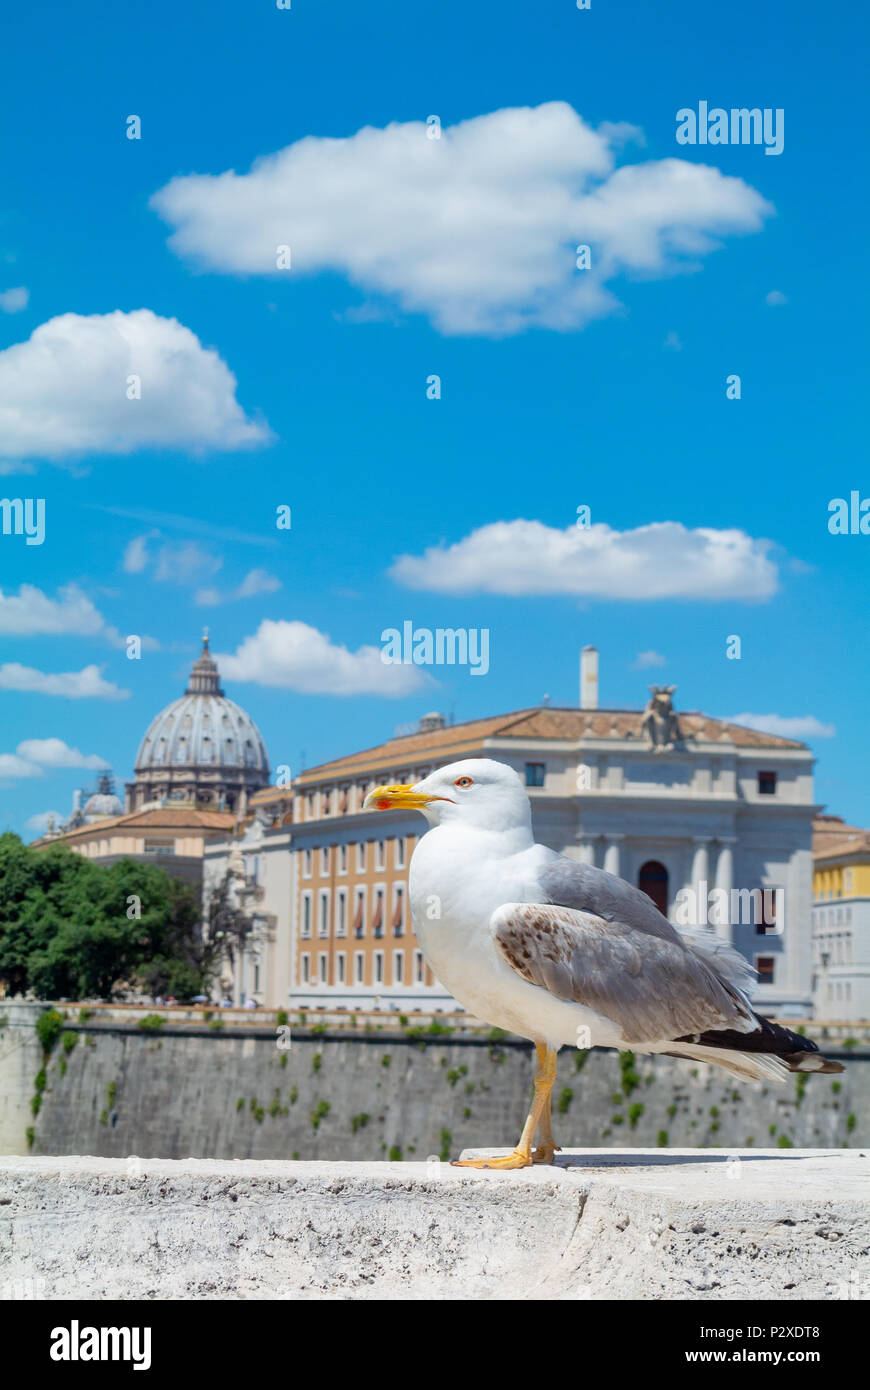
(458, 878)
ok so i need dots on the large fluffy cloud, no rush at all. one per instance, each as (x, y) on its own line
(664, 560)
(88, 683)
(477, 229)
(64, 392)
(294, 656)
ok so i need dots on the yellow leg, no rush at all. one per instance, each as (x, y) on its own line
(522, 1154)
(547, 1146)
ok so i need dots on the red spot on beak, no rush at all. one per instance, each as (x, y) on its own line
(383, 805)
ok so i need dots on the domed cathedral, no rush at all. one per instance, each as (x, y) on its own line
(203, 750)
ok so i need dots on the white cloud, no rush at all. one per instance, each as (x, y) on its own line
(136, 554)
(13, 766)
(664, 560)
(13, 301)
(53, 752)
(294, 656)
(64, 391)
(477, 230)
(674, 342)
(786, 726)
(31, 613)
(181, 564)
(255, 582)
(10, 466)
(644, 660)
(74, 685)
(42, 820)
(775, 297)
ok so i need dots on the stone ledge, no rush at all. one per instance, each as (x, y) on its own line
(605, 1223)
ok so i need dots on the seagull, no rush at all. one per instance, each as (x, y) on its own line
(563, 953)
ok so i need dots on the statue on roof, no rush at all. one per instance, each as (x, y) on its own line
(659, 722)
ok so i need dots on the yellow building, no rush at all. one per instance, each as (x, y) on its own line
(841, 920)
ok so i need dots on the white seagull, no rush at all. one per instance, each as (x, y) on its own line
(566, 954)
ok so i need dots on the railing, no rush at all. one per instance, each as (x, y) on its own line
(394, 1018)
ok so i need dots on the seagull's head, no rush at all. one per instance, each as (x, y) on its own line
(477, 792)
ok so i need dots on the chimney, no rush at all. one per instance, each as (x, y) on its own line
(589, 678)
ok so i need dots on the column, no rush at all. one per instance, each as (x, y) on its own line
(611, 853)
(585, 849)
(725, 881)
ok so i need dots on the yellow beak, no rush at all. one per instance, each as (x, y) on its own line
(398, 797)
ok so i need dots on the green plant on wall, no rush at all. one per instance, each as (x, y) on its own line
(320, 1111)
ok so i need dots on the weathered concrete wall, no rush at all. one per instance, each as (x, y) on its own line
(601, 1224)
(178, 1095)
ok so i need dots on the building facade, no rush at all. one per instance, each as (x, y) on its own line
(841, 921)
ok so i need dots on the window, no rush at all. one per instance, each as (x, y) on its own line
(418, 967)
(323, 913)
(323, 971)
(306, 914)
(398, 922)
(400, 853)
(653, 880)
(381, 854)
(306, 968)
(359, 913)
(378, 918)
(379, 967)
(153, 847)
(339, 967)
(398, 967)
(359, 968)
(309, 813)
(342, 859)
(764, 965)
(341, 912)
(535, 773)
(361, 857)
(766, 923)
(306, 863)
(324, 861)
(767, 784)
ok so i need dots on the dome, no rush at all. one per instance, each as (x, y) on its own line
(203, 729)
(103, 802)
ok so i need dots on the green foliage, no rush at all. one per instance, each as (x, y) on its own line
(850, 1123)
(386, 1059)
(30, 1135)
(104, 1117)
(111, 1092)
(801, 1079)
(68, 1040)
(497, 1034)
(580, 1058)
(49, 1025)
(634, 1113)
(836, 1087)
(282, 1018)
(617, 1119)
(151, 1023)
(395, 1154)
(61, 1066)
(216, 1024)
(662, 1139)
(359, 1121)
(630, 1078)
(294, 1095)
(672, 1110)
(85, 1014)
(39, 1080)
(64, 929)
(283, 1061)
(566, 1095)
(446, 1141)
(318, 1113)
(783, 1142)
(466, 1112)
(317, 1061)
(240, 1103)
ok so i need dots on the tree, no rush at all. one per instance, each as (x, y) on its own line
(73, 929)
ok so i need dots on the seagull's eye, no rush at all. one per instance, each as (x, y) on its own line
(463, 782)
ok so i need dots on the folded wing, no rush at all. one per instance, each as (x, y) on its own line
(651, 985)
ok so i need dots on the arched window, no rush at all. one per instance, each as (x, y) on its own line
(653, 880)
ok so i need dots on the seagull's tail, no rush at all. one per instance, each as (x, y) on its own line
(767, 1053)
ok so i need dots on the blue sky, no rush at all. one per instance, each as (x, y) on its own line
(307, 387)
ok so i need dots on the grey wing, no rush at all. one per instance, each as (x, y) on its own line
(652, 988)
(572, 884)
(569, 883)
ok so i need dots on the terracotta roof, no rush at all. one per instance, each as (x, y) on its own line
(544, 722)
(833, 839)
(161, 818)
